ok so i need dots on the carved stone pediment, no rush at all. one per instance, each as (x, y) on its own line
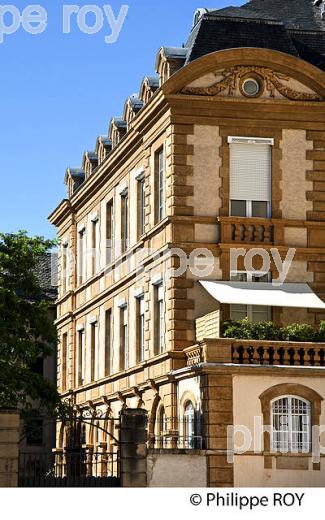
(269, 84)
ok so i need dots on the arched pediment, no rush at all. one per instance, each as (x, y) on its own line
(131, 107)
(103, 147)
(225, 74)
(117, 130)
(89, 162)
(148, 87)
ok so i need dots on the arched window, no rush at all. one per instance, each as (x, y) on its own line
(291, 424)
(98, 434)
(189, 425)
(161, 428)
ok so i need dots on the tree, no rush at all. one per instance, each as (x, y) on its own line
(27, 332)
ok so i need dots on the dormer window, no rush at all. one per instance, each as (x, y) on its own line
(117, 131)
(103, 148)
(169, 61)
(148, 87)
(74, 178)
(131, 108)
(89, 163)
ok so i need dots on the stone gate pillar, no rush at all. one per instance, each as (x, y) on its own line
(133, 438)
(9, 447)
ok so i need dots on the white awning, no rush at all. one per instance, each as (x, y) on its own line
(256, 293)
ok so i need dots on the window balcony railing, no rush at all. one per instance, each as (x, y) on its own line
(240, 230)
(256, 352)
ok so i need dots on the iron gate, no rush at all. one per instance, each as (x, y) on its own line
(84, 468)
(77, 464)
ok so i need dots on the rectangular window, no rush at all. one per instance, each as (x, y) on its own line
(108, 342)
(65, 268)
(159, 318)
(64, 362)
(254, 313)
(124, 353)
(160, 183)
(95, 256)
(250, 177)
(140, 329)
(110, 232)
(93, 351)
(141, 207)
(125, 221)
(81, 257)
(80, 357)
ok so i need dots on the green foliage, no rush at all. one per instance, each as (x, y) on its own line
(299, 332)
(268, 331)
(321, 332)
(246, 329)
(26, 328)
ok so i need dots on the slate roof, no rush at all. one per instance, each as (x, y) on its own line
(291, 26)
(295, 14)
(47, 274)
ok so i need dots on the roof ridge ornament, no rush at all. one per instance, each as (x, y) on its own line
(321, 4)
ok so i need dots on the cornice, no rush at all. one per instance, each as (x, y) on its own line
(151, 112)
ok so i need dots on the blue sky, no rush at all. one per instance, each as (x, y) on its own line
(58, 92)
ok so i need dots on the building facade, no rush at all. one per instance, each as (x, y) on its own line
(213, 177)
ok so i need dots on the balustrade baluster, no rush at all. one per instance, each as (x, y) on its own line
(296, 357)
(317, 358)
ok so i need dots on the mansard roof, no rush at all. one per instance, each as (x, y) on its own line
(295, 14)
(295, 27)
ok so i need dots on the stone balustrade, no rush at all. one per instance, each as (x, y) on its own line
(251, 230)
(255, 352)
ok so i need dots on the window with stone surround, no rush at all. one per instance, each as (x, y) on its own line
(250, 177)
(291, 424)
(189, 425)
(140, 326)
(80, 356)
(160, 184)
(64, 362)
(81, 255)
(141, 227)
(93, 350)
(110, 232)
(290, 411)
(124, 221)
(159, 318)
(65, 267)
(124, 343)
(95, 257)
(108, 341)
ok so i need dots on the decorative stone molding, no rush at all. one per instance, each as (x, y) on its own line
(276, 392)
(271, 82)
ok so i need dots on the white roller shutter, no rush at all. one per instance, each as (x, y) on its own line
(250, 171)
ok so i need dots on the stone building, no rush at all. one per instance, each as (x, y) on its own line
(38, 435)
(220, 153)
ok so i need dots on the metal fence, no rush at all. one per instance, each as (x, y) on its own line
(85, 468)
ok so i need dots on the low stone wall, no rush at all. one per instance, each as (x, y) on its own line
(172, 468)
(9, 448)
